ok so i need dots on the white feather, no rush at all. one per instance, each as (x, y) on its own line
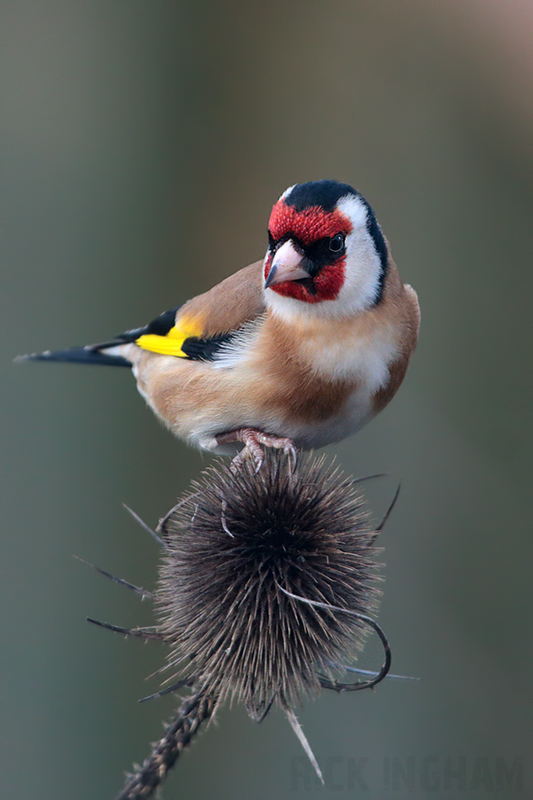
(241, 346)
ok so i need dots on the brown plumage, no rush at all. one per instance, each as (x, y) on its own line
(301, 349)
(229, 304)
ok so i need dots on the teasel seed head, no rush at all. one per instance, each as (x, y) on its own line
(243, 553)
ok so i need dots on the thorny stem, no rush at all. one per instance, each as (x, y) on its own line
(178, 734)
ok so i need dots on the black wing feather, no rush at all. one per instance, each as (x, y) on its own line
(195, 349)
(205, 349)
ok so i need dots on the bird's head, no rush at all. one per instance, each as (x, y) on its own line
(326, 250)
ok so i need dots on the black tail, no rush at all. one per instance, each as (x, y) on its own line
(80, 355)
(95, 353)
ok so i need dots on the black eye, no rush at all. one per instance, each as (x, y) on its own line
(337, 243)
(271, 241)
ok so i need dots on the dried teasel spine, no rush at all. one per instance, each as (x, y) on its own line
(243, 552)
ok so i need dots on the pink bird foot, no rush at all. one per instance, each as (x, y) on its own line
(254, 441)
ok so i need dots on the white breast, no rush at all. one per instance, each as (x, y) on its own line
(353, 356)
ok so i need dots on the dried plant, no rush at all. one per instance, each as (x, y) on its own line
(238, 548)
(266, 589)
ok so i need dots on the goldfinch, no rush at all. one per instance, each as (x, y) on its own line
(296, 351)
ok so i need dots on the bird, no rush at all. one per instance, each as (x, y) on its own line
(296, 351)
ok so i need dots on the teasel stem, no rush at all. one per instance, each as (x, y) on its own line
(195, 709)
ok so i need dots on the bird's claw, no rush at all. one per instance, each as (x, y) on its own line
(280, 443)
(254, 441)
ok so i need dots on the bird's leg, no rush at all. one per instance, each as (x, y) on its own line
(254, 441)
(279, 443)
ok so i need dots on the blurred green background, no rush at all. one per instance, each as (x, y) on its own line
(143, 144)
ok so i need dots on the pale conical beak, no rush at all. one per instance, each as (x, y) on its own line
(286, 266)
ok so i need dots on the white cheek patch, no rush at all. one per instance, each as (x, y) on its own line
(363, 263)
(362, 273)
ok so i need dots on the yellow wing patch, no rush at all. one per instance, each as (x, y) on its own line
(171, 343)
